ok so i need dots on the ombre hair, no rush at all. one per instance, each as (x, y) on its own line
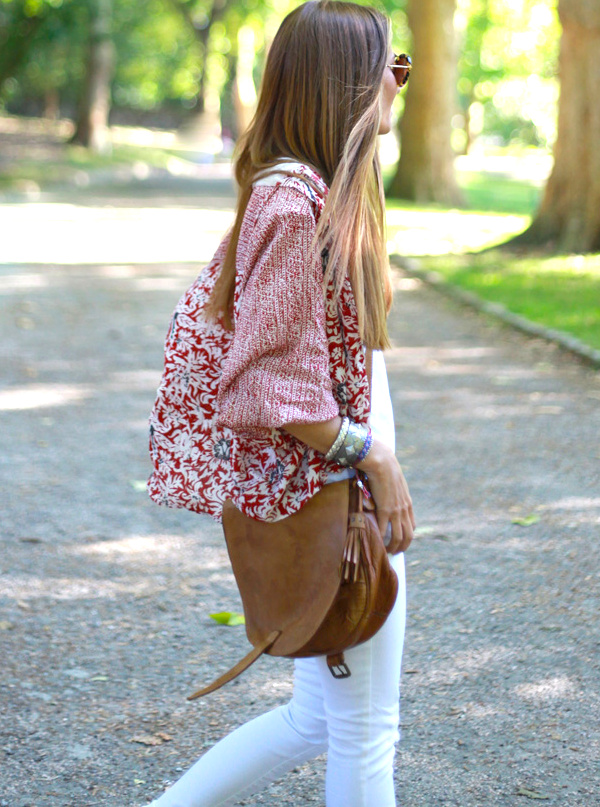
(319, 104)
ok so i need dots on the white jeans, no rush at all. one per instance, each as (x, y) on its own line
(354, 719)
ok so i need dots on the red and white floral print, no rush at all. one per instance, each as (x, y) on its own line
(296, 356)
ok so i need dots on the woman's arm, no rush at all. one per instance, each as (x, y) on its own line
(277, 368)
(386, 480)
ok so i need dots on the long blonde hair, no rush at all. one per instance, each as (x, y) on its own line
(319, 104)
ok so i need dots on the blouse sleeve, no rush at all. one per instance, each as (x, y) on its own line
(277, 369)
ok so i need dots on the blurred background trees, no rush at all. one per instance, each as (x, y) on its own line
(485, 78)
(569, 215)
(95, 95)
(496, 63)
(426, 168)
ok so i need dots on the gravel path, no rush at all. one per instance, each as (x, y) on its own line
(104, 597)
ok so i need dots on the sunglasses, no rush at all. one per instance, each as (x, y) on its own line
(401, 67)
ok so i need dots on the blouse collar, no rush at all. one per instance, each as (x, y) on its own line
(284, 169)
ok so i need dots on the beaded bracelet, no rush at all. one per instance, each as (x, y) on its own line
(366, 448)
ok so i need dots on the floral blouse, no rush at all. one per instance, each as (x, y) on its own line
(295, 355)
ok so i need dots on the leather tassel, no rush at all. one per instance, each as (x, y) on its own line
(351, 558)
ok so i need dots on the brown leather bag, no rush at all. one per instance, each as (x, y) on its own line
(315, 583)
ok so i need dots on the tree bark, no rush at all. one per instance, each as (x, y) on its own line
(425, 171)
(202, 34)
(569, 215)
(92, 121)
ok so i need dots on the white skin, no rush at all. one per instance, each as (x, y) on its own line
(389, 90)
(386, 480)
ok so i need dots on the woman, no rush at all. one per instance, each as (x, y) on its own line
(266, 355)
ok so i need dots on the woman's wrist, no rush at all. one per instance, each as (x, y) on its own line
(319, 436)
(373, 461)
(339, 440)
(352, 444)
(331, 438)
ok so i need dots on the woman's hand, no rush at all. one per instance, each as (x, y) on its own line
(386, 480)
(390, 492)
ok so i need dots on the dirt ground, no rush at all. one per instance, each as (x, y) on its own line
(105, 597)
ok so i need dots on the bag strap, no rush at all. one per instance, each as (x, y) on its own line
(239, 668)
(336, 662)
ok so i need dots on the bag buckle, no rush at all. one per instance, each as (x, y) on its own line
(340, 671)
(337, 666)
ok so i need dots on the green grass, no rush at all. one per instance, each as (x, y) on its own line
(500, 194)
(496, 209)
(420, 230)
(495, 183)
(560, 292)
(65, 166)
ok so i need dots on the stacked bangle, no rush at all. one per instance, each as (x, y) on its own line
(352, 444)
(337, 443)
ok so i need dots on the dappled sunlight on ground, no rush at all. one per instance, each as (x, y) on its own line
(403, 284)
(559, 687)
(439, 232)
(137, 425)
(478, 710)
(532, 164)
(38, 396)
(147, 554)
(133, 380)
(44, 396)
(575, 503)
(579, 509)
(106, 598)
(270, 685)
(465, 663)
(158, 284)
(19, 588)
(414, 356)
(471, 404)
(149, 547)
(439, 360)
(72, 234)
(22, 282)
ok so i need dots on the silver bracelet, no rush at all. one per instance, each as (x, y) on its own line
(349, 453)
(335, 447)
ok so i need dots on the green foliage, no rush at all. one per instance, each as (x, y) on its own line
(503, 195)
(507, 83)
(507, 70)
(158, 57)
(560, 292)
(56, 59)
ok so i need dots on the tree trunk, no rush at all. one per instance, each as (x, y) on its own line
(202, 34)
(52, 104)
(92, 120)
(569, 215)
(425, 172)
